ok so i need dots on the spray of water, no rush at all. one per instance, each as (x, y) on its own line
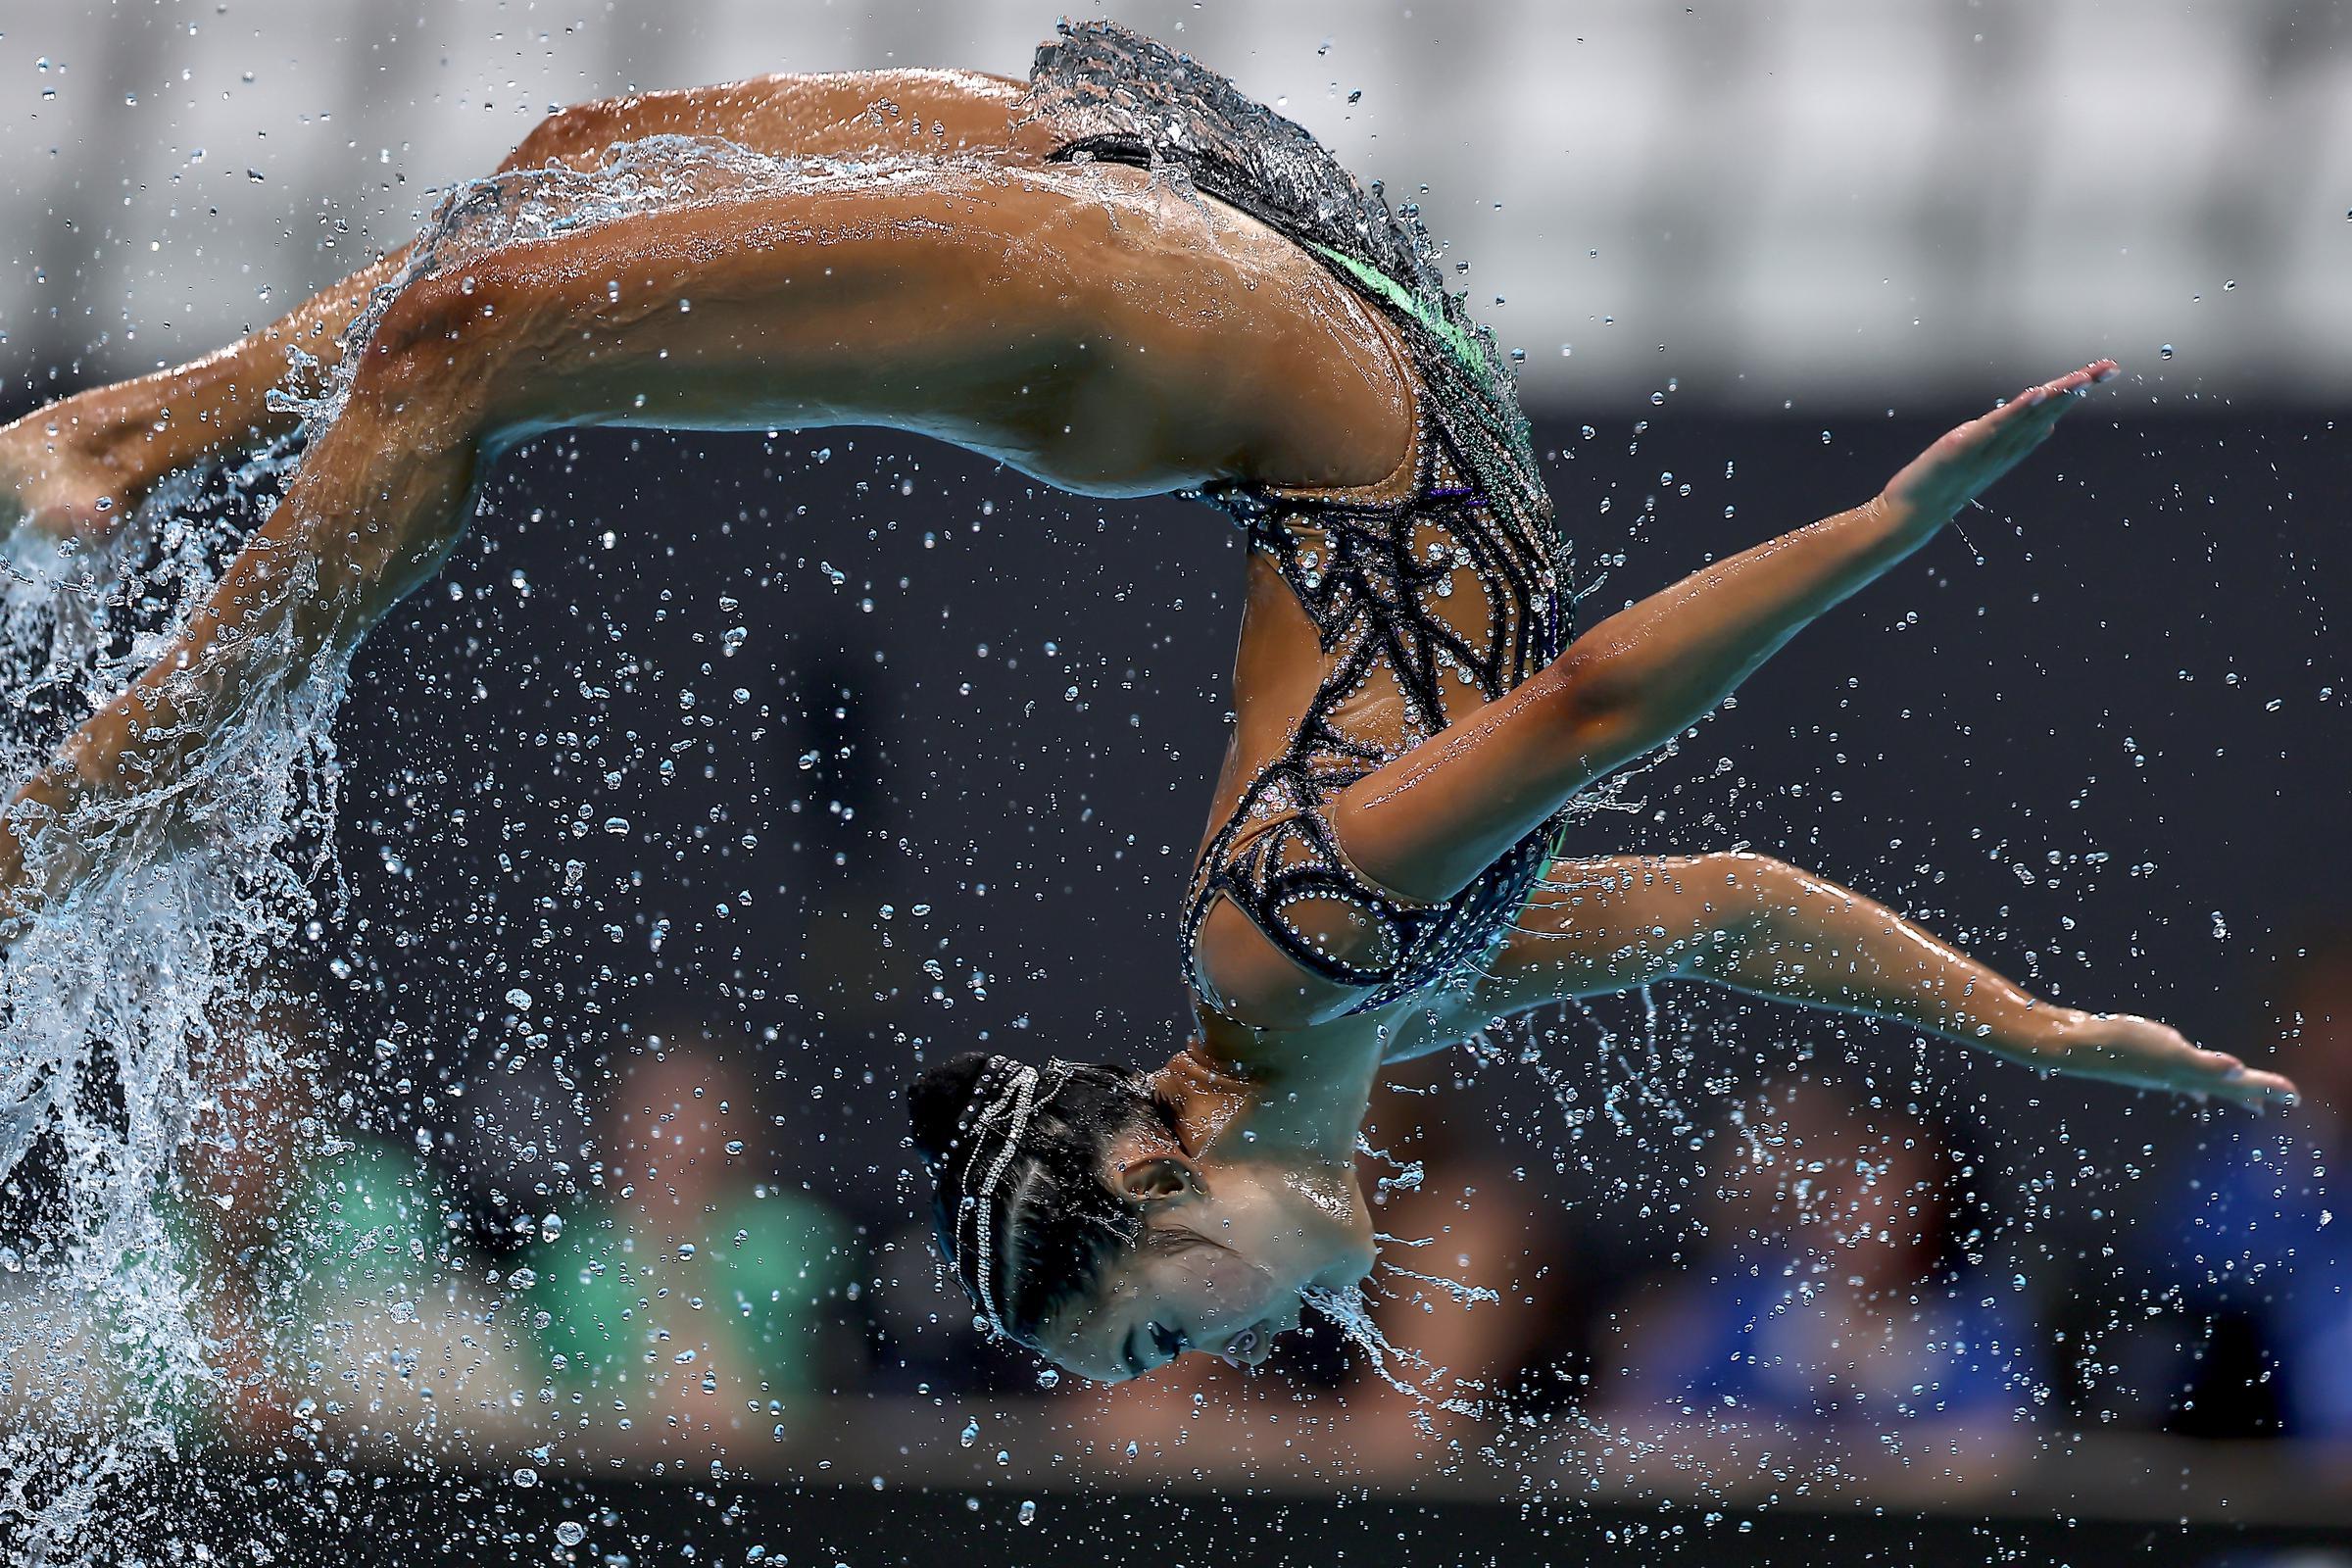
(114, 997)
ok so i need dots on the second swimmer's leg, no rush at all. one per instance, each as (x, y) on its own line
(78, 467)
(1759, 925)
(1079, 324)
(373, 509)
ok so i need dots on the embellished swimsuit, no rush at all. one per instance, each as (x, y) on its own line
(1469, 530)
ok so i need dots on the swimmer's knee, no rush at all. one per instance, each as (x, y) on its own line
(435, 339)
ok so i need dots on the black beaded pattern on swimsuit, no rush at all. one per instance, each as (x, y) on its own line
(1368, 577)
(1370, 574)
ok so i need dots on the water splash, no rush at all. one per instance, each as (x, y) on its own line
(1350, 1312)
(114, 997)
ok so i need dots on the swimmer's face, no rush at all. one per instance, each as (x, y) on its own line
(1219, 1269)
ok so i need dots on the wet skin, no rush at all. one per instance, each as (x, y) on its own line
(1111, 338)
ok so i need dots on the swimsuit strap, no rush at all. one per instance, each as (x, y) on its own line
(1464, 348)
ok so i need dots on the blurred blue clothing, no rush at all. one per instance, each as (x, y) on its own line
(2256, 1234)
(1776, 1339)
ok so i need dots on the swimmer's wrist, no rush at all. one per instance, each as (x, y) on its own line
(1906, 523)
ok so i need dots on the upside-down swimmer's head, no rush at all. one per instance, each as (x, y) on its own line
(1081, 1225)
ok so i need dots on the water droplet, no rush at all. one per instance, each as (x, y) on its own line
(572, 1532)
(2166, 351)
(617, 824)
(551, 1226)
(1028, 1513)
(518, 998)
(523, 1279)
(970, 1433)
(525, 1476)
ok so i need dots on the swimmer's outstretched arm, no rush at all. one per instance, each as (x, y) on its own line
(1438, 816)
(78, 468)
(1755, 924)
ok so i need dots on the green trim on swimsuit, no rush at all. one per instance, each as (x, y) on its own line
(1372, 278)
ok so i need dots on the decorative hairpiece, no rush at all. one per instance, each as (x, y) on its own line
(1007, 1107)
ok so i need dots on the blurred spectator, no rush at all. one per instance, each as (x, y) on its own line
(324, 1277)
(252, 1128)
(2248, 1241)
(1470, 1284)
(322, 1274)
(689, 1291)
(1837, 1288)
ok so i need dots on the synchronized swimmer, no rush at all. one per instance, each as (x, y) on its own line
(1017, 267)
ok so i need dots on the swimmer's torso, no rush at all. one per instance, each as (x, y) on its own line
(1377, 614)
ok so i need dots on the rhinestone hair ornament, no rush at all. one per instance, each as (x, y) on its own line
(1006, 1097)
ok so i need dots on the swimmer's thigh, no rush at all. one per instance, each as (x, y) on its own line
(1083, 326)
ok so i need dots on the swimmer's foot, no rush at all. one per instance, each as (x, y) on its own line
(2124, 1048)
(61, 478)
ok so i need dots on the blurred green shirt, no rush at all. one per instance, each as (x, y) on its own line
(748, 1295)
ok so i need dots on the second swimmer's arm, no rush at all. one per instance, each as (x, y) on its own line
(1435, 819)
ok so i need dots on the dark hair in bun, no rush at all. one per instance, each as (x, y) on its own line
(1052, 1221)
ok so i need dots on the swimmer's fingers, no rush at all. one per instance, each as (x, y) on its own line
(2140, 1052)
(2036, 410)
(1966, 460)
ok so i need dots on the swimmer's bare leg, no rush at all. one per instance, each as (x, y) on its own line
(1758, 925)
(78, 467)
(1084, 325)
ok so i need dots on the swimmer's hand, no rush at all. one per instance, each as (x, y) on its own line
(2122, 1049)
(1965, 462)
